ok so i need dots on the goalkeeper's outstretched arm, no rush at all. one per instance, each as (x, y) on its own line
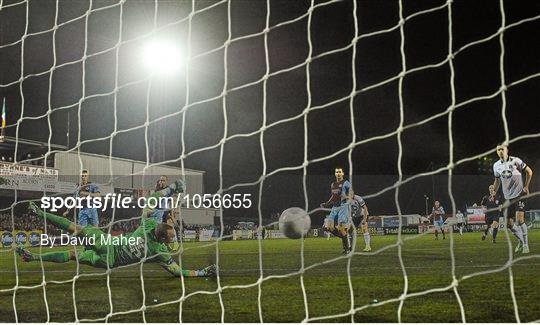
(173, 268)
(166, 237)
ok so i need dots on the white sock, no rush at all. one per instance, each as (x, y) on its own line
(518, 232)
(525, 232)
(461, 230)
(367, 238)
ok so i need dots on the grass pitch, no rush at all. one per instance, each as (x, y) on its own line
(374, 277)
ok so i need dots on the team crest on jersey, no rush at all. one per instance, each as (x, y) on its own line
(507, 173)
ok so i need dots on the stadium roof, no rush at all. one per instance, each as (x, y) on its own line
(9, 143)
(159, 164)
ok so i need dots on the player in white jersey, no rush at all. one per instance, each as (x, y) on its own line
(508, 172)
(460, 221)
(359, 216)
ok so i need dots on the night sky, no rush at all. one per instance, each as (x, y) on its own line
(477, 127)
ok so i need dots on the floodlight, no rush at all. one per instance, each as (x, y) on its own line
(162, 57)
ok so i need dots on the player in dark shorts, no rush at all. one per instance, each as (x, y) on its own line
(492, 208)
(508, 172)
(338, 222)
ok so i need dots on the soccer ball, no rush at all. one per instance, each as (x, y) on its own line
(294, 223)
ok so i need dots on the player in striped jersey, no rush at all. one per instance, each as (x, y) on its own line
(151, 241)
(437, 213)
(338, 222)
(360, 214)
(508, 172)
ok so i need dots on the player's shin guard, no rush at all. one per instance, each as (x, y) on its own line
(495, 230)
(518, 232)
(524, 232)
(367, 239)
(345, 242)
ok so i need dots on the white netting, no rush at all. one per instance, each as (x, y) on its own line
(355, 142)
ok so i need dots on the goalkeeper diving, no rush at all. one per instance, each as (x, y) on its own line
(153, 243)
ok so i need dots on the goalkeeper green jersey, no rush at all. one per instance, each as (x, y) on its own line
(131, 248)
(128, 248)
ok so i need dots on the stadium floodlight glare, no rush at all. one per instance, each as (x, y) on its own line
(162, 57)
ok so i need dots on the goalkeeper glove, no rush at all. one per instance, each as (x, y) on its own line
(209, 271)
(32, 207)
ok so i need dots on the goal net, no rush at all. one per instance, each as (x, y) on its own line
(264, 99)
